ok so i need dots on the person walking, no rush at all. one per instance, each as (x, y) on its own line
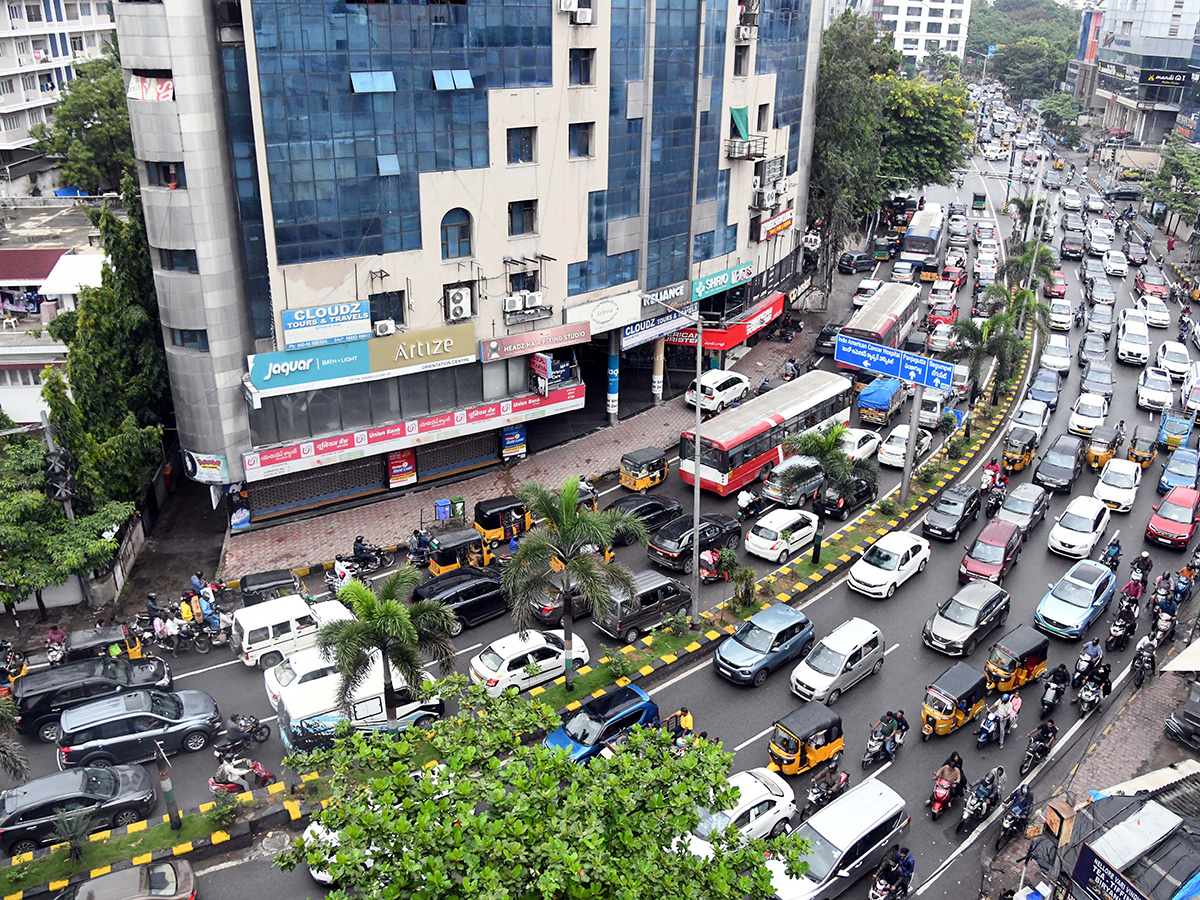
(1171, 244)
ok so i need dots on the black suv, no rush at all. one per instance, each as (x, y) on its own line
(855, 261)
(1061, 464)
(40, 697)
(654, 512)
(472, 594)
(128, 728)
(672, 545)
(958, 505)
(116, 796)
(1098, 379)
(836, 502)
(827, 339)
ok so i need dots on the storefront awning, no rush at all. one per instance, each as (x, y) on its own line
(741, 121)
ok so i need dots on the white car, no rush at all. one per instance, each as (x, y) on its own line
(1087, 413)
(1130, 314)
(941, 338)
(1061, 315)
(942, 291)
(1115, 263)
(988, 249)
(1080, 528)
(993, 152)
(1173, 357)
(780, 533)
(1032, 414)
(1155, 309)
(1069, 199)
(1118, 485)
(1103, 226)
(719, 389)
(867, 288)
(888, 563)
(765, 804)
(1133, 343)
(984, 268)
(1095, 203)
(891, 451)
(506, 664)
(859, 443)
(903, 272)
(960, 230)
(1155, 390)
(1056, 355)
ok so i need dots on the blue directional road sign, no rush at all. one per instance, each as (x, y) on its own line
(933, 373)
(992, 50)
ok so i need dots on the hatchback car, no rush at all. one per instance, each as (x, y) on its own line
(1098, 379)
(764, 807)
(1031, 414)
(1087, 413)
(1173, 357)
(1092, 347)
(839, 501)
(1080, 528)
(992, 554)
(1181, 470)
(941, 339)
(654, 512)
(1061, 464)
(718, 389)
(1100, 321)
(671, 545)
(1061, 316)
(955, 275)
(903, 272)
(1174, 520)
(985, 231)
(1115, 263)
(170, 879)
(1135, 252)
(840, 660)
(859, 443)
(1151, 280)
(585, 731)
(954, 510)
(1155, 309)
(855, 261)
(1077, 600)
(1045, 387)
(1155, 390)
(129, 728)
(888, 563)
(780, 533)
(518, 662)
(114, 796)
(962, 621)
(827, 339)
(1095, 203)
(867, 288)
(1069, 199)
(891, 451)
(1056, 355)
(1090, 270)
(1025, 506)
(1056, 285)
(770, 638)
(1118, 484)
(472, 593)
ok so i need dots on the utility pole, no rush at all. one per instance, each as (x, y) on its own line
(58, 470)
(164, 777)
(910, 448)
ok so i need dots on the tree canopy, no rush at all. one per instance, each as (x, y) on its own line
(1007, 22)
(90, 130)
(506, 817)
(1031, 67)
(1177, 182)
(926, 130)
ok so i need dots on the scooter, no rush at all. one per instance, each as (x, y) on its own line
(1083, 667)
(246, 729)
(1012, 823)
(877, 748)
(1050, 696)
(819, 794)
(1089, 698)
(1111, 557)
(240, 774)
(1118, 634)
(1143, 663)
(56, 653)
(979, 803)
(942, 798)
(420, 556)
(750, 510)
(1183, 589)
(986, 479)
(1164, 628)
(995, 500)
(884, 890)
(1035, 752)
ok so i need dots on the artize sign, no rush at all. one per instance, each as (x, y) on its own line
(334, 324)
(722, 281)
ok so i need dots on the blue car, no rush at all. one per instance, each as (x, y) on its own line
(1181, 470)
(1079, 599)
(1046, 386)
(602, 719)
(770, 638)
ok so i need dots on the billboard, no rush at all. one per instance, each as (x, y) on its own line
(333, 324)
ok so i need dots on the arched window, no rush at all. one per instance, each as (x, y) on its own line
(456, 234)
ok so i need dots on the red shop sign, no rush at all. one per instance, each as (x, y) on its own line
(727, 338)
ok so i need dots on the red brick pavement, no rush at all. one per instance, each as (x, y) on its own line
(318, 539)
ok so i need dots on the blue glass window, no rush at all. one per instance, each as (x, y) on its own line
(389, 164)
(443, 80)
(456, 234)
(462, 80)
(372, 82)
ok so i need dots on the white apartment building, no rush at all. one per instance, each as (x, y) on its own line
(43, 41)
(919, 27)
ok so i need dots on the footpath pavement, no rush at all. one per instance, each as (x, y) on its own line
(313, 542)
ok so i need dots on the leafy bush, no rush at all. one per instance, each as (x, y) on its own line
(676, 623)
(955, 447)
(947, 423)
(888, 508)
(619, 664)
(929, 473)
(224, 810)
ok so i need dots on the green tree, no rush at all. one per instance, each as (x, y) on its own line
(926, 129)
(504, 816)
(1059, 110)
(90, 130)
(389, 633)
(1176, 185)
(561, 559)
(1032, 66)
(824, 445)
(13, 761)
(1009, 21)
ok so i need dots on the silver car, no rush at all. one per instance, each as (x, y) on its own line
(1025, 506)
(841, 659)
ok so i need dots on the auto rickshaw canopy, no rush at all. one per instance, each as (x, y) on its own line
(1024, 645)
(1143, 444)
(492, 513)
(452, 542)
(810, 719)
(644, 462)
(882, 248)
(978, 200)
(960, 683)
(1102, 444)
(1019, 445)
(110, 640)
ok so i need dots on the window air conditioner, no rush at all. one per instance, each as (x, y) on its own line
(781, 186)
(583, 17)
(513, 302)
(533, 299)
(458, 304)
(384, 327)
(766, 199)
(756, 184)
(568, 6)
(744, 32)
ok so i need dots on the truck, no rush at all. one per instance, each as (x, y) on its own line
(880, 400)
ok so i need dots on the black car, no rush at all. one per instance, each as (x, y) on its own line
(1098, 379)
(1046, 387)
(1055, 257)
(472, 593)
(827, 339)
(958, 505)
(834, 501)
(671, 546)
(1135, 252)
(1099, 290)
(40, 697)
(964, 620)
(1071, 246)
(1091, 268)
(956, 208)
(1061, 464)
(1092, 347)
(1100, 321)
(855, 261)
(654, 512)
(115, 796)
(1073, 221)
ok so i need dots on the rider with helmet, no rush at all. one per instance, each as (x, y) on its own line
(1144, 565)
(363, 554)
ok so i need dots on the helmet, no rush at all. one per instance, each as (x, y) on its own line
(199, 574)
(1145, 555)
(152, 597)
(359, 538)
(1005, 698)
(989, 779)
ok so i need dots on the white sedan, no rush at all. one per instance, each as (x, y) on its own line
(891, 451)
(1115, 263)
(1173, 357)
(859, 443)
(1087, 413)
(1118, 485)
(1155, 390)
(1080, 528)
(941, 338)
(1095, 203)
(1033, 414)
(888, 563)
(764, 806)
(516, 663)
(1155, 310)
(867, 288)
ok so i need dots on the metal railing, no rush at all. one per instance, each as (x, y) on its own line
(754, 148)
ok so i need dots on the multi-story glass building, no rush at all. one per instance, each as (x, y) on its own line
(389, 236)
(918, 26)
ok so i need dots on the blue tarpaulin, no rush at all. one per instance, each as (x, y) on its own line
(69, 192)
(878, 394)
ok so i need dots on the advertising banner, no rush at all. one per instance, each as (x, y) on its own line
(512, 441)
(722, 281)
(206, 468)
(1163, 76)
(334, 324)
(727, 338)
(607, 314)
(539, 364)
(534, 341)
(768, 228)
(402, 467)
(638, 333)
(1099, 880)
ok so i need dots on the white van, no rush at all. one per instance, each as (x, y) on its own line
(933, 407)
(264, 634)
(1189, 394)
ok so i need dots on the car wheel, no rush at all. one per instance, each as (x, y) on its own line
(270, 660)
(969, 648)
(688, 566)
(745, 393)
(49, 732)
(891, 591)
(102, 761)
(721, 406)
(782, 557)
(780, 828)
(195, 742)
(125, 818)
(760, 677)
(630, 635)
(844, 514)
(577, 664)
(22, 847)
(924, 563)
(957, 532)
(424, 723)
(456, 627)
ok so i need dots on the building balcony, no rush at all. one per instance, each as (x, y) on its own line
(748, 13)
(754, 148)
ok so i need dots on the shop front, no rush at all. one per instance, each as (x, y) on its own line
(720, 341)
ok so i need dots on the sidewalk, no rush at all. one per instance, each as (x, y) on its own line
(387, 522)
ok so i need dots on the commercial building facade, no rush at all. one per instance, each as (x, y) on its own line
(390, 236)
(919, 27)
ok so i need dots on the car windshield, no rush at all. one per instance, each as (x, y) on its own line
(284, 673)
(1153, 276)
(767, 534)
(825, 661)
(959, 613)
(1155, 304)
(949, 506)
(1029, 417)
(1173, 512)
(1099, 376)
(1072, 592)
(1175, 355)
(753, 637)
(711, 823)
(491, 659)
(1060, 309)
(1118, 479)
(983, 552)
(897, 440)
(1059, 459)
(881, 558)
(1156, 382)
(583, 728)
(1175, 426)
(1046, 382)
(822, 855)
(669, 543)
(1093, 409)
(1075, 522)
(1017, 505)
(1101, 316)
(165, 705)
(1181, 466)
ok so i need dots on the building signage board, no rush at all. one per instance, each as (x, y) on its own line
(334, 324)
(1113, 70)
(665, 297)
(727, 338)
(768, 228)
(638, 333)
(1099, 880)
(722, 281)
(402, 467)
(534, 341)
(528, 314)
(1163, 77)
(933, 373)
(313, 454)
(606, 314)
(206, 468)
(539, 364)
(512, 441)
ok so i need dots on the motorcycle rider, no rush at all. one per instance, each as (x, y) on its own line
(1113, 550)
(748, 502)
(235, 771)
(1127, 615)
(1132, 591)
(1098, 676)
(828, 779)
(957, 762)
(1120, 432)
(1060, 678)
(363, 554)
(1144, 565)
(197, 581)
(907, 865)
(1081, 313)
(166, 628)
(341, 573)
(951, 775)
(993, 468)
(887, 727)
(1003, 711)
(998, 781)
(790, 369)
(1168, 604)
(891, 876)
(1020, 800)
(902, 727)
(1046, 733)
(1094, 651)
(1148, 643)
(418, 543)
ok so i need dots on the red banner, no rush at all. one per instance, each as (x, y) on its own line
(727, 338)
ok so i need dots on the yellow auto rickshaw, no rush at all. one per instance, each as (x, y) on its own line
(1058, 164)
(1018, 658)
(458, 548)
(501, 518)
(642, 469)
(931, 269)
(1143, 445)
(1102, 445)
(1019, 446)
(804, 738)
(954, 699)
(109, 640)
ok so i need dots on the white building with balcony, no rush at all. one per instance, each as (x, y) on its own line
(918, 27)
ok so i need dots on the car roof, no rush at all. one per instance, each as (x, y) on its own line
(1039, 405)
(871, 282)
(778, 617)
(895, 540)
(998, 531)
(714, 376)
(1060, 339)
(851, 815)
(513, 643)
(1087, 571)
(975, 593)
(613, 703)
(1026, 490)
(849, 635)
(960, 490)
(1186, 496)
(1090, 504)
(777, 519)
(68, 673)
(456, 578)
(95, 711)
(54, 786)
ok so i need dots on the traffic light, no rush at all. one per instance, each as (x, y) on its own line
(60, 484)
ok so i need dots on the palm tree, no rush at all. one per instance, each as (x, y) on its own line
(560, 560)
(388, 632)
(13, 761)
(824, 445)
(1021, 263)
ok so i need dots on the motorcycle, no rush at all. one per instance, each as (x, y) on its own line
(986, 479)
(1079, 318)
(379, 559)
(1111, 557)
(240, 774)
(419, 556)
(877, 748)
(884, 890)
(1164, 629)
(1089, 698)
(943, 797)
(1050, 696)
(1012, 823)
(246, 729)
(979, 803)
(1035, 752)
(995, 500)
(1118, 634)
(56, 653)
(750, 510)
(820, 794)
(1183, 589)
(1083, 667)
(1143, 662)
(14, 659)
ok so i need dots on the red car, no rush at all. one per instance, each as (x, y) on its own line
(1057, 285)
(1174, 520)
(943, 314)
(1150, 280)
(993, 553)
(955, 275)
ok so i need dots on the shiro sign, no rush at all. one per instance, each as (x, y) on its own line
(933, 373)
(722, 281)
(333, 324)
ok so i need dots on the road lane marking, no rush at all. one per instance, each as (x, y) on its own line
(890, 649)
(209, 669)
(880, 770)
(746, 743)
(467, 649)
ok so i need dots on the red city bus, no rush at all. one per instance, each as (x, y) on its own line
(746, 442)
(888, 318)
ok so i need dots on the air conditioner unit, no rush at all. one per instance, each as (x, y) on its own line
(458, 304)
(744, 32)
(384, 327)
(583, 17)
(766, 199)
(513, 302)
(781, 186)
(756, 183)
(568, 6)
(533, 299)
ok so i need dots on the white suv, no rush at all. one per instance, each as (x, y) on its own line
(718, 389)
